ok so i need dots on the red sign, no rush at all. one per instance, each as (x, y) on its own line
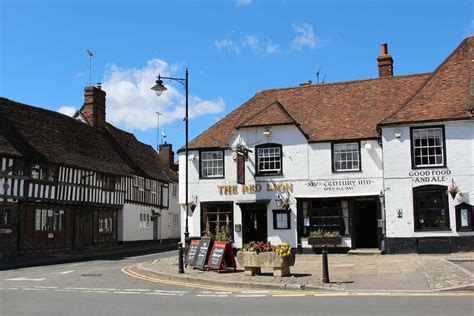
(240, 167)
(221, 257)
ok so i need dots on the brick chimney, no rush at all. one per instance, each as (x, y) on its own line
(94, 106)
(167, 155)
(385, 62)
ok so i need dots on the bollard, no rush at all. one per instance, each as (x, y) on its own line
(180, 259)
(325, 265)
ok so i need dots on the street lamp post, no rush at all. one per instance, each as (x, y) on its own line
(159, 88)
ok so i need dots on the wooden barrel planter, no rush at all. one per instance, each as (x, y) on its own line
(253, 262)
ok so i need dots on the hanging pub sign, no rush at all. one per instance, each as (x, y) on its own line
(240, 167)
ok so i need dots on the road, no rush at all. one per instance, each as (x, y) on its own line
(100, 288)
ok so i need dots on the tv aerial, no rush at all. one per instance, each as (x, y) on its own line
(91, 55)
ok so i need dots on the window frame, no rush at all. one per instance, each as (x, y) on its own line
(203, 207)
(5, 216)
(45, 217)
(258, 172)
(276, 212)
(412, 149)
(470, 215)
(41, 168)
(201, 176)
(333, 161)
(442, 191)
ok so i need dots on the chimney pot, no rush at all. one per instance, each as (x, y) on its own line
(99, 85)
(385, 62)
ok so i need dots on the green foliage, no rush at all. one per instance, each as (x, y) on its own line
(322, 233)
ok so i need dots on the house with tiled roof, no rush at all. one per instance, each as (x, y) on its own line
(293, 161)
(65, 184)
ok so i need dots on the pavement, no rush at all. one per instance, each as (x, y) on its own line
(348, 273)
(111, 253)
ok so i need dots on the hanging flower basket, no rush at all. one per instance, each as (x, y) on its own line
(453, 190)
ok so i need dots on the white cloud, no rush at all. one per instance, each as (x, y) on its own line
(250, 42)
(132, 104)
(305, 38)
(227, 44)
(242, 3)
(67, 110)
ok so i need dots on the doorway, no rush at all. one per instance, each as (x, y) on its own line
(365, 224)
(86, 227)
(156, 227)
(254, 223)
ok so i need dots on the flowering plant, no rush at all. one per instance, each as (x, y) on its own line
(258, 246)
(453, 189)
(283, 250)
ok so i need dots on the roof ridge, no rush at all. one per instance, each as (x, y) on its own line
(346, 82)
(275, 102)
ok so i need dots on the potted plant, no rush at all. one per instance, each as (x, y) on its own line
(323, 237)
(256, 255)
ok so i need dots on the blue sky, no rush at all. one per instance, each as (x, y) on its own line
(233, 49)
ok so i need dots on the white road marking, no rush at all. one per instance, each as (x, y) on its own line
(288, 295)
(211, 295)
(13, 288)
(65, 290)
(102, 289)
(156, 260)
(66, 272)
(125, 292)
(250, 295)
(96, 292)
(177, 292)
(136, 290)
(25, 279)
(33, 289)
(46, 287)
(163, 294)
(217, 293)
(77, 288)
(254, 292)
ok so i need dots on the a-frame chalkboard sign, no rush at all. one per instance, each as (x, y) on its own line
(192, 252)
(203, 253)
(221, 257)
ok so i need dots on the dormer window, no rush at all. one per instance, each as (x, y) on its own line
(43, 173)
(268, 159)
(19, 168)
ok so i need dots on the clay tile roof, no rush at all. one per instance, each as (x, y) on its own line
(273, 114)
(447, 94)
(48, 136)
(323, 112)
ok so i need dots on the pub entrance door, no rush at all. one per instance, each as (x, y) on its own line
(86, 228)
(254, 223)
(365, 224)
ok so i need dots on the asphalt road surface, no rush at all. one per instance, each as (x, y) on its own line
(100, 288)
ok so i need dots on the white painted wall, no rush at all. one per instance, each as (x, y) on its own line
(301, 162)
(399, 184)
(129, 228)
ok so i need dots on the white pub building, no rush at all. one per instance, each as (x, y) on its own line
(371, 160)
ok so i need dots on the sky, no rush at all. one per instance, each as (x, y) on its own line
(233, 49)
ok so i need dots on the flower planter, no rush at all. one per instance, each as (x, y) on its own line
(253, 262)
(324, 241)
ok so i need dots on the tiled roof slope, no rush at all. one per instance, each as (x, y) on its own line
(324, 112)
(143, 158)
(53, 137)
(446, 94)
(273, 114)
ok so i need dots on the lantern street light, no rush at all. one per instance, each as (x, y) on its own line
(159, 88)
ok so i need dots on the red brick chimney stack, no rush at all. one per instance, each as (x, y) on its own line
(385, 62)
(94, 106)
(167, 154)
